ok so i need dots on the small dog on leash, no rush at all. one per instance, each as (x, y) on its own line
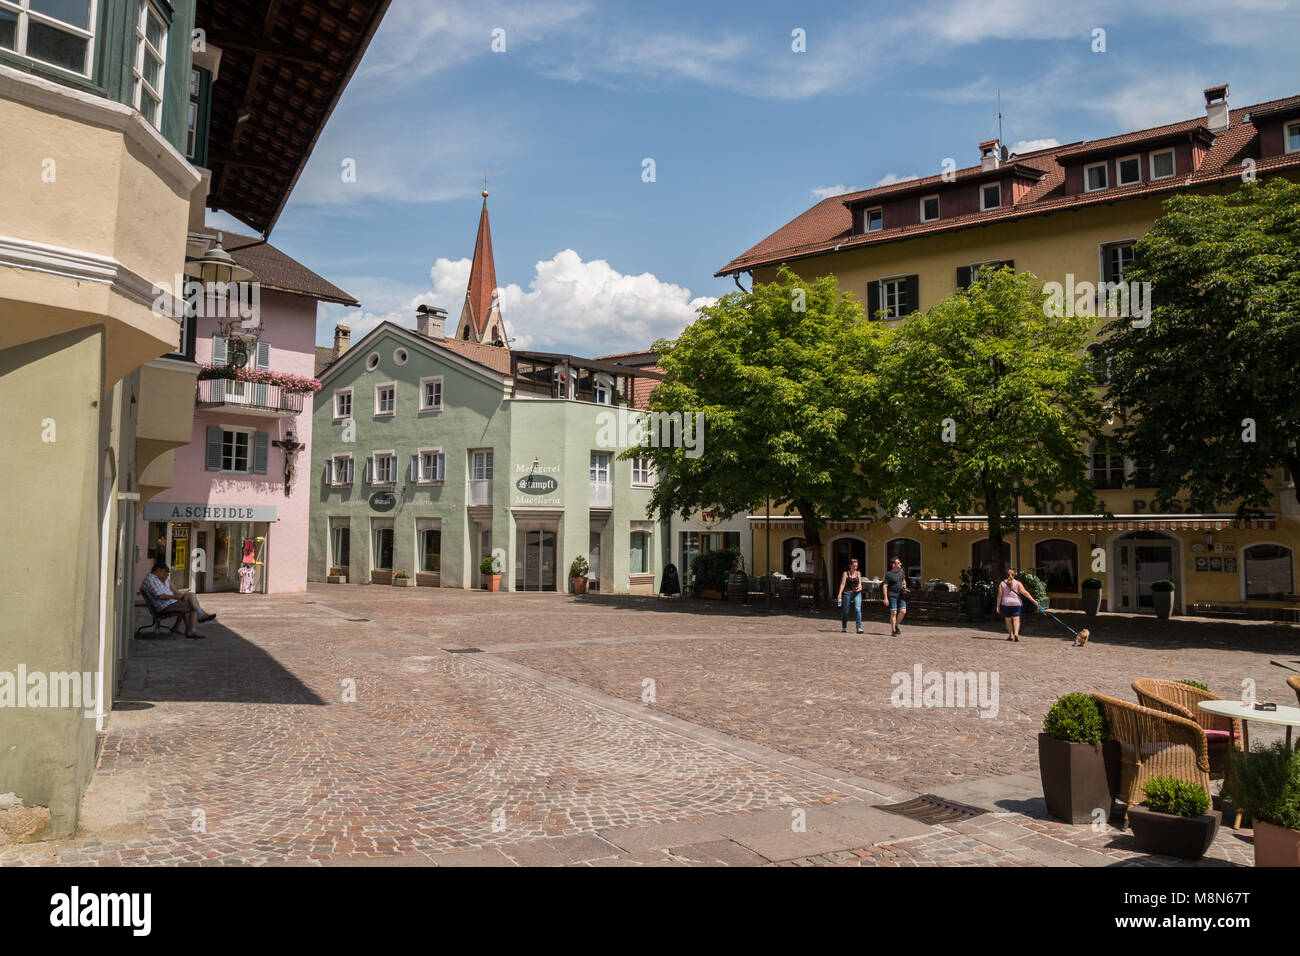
(1081, 638)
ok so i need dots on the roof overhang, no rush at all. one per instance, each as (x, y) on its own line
(594, 365)
(429, 346)
(1097, 150)
(930, 184)
(283, 68)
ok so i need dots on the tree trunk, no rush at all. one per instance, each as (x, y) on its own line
(993, 508)
(812, 540)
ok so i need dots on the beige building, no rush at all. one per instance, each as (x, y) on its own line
(115, 138)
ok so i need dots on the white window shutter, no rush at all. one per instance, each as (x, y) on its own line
(370, 470)
(219, 358)
(442, 466)
(1087, 455)
(263, 354)
(349, 465)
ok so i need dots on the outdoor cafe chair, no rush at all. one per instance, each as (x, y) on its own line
(1222, 734)
(1154, 743)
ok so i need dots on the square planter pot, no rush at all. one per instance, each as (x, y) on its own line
(1163, 602)
(1275, 845)
(492, 582)
(336, 579)
(1091, 601)
(403, 582)
(1184, 837)
(1075, 778)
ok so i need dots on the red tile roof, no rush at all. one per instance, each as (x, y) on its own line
(828, 226)
(492, 356)
(642, 387)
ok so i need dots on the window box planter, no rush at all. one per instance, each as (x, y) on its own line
(1077, 778)
(428, 579)
(336, 579)
(1091, 597)
(403, 582)
(1184, 837)
(381, 577)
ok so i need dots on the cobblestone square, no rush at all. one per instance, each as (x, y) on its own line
(416, 727)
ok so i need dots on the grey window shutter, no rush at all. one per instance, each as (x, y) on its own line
(329, 471)
(963, 277)
(873, 299)
(212, 461)
(219, 357)
(415, 467)
(261, 450)
(913, 298)
(262, 391)
(370, 470)
(349, 467)
(442, 466)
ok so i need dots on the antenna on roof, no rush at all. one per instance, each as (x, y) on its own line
(999, 116)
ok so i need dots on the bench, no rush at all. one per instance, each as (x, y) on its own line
(156, 616)
(941, 603)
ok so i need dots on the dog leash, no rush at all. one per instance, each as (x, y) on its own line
(1043, 610)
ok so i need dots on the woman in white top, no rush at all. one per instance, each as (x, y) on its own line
(1010, 595)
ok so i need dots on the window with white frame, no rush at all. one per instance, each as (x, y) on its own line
(642, 469)
(381, 555)
(929, 208)
(342, 403)
(149, 69)
(59, 33)
(481, 465)
(991, 196)
(430, 465)
(639, 561)
(1291, 138)
(600, 467)
(893, 297)
(1162, 163)
(1128, 170)
(341, 470)
(603, 389)
(386, 398)
(1095, 177)
(428, 544)
(431, 394)
(236, 450)
(1116, 257)
(383, 468)
(1108, 469)
(873, 219)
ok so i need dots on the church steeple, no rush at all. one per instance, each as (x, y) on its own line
(480, 319)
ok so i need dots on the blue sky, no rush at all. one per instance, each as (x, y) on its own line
(745, 134)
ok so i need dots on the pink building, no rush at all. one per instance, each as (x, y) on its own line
(241, 492)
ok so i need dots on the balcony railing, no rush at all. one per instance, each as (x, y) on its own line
(601, 495)
(248, 397)
(480, 492)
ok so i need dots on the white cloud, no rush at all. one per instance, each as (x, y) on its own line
(839, 189)
(1022, 146)
(890, 178)
(571, 305)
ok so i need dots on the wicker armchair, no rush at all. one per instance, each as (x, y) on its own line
(1294, 684)
(1154, 743)
(1222, 734)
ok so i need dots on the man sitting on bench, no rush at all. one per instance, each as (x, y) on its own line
(168, 602)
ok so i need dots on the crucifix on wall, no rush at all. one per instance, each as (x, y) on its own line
(290, 446)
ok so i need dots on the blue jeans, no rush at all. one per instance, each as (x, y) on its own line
(854, 598)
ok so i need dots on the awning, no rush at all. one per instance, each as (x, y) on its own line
(1117, 523)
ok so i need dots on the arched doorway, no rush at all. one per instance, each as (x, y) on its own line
(1141, 558)
(907, 550)
(844, 550)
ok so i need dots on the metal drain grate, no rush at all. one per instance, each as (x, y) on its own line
(463, 650)
(357, 620)
(928, 808)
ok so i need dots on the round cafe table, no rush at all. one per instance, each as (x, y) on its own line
(1287, 716)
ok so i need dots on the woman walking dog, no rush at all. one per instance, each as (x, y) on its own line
(1010, 603)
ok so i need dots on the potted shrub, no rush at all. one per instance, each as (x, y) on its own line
(1078, 763)
(1162, 595)
(1035, 586)
(578, 574)
(1194, 683)
(403, 580)
(490, 568)
(1266, 784)
(977, 593)
(710, 571)
(337, 576)
(1175, 819)
(1091, 596)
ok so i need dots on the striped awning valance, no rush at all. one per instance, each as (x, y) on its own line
(1092, 523)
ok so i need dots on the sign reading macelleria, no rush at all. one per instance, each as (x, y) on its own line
(198, 511)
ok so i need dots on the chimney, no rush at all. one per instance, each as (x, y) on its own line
(1216, 107)
(430, 321)
(990, 154)
(342, 339)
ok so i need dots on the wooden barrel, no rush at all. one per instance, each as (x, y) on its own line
(737, 586)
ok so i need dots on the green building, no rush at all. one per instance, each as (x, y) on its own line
(431, 452)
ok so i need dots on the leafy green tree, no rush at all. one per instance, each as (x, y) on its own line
(784, 376)
(1216, 367)
(988, 390)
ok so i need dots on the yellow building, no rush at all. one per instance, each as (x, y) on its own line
(1069, 214)
(120, 121)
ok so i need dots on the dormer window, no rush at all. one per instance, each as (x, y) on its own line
(929, 208)
(1291, 138)
(991, 196)
(1094, 177)
(1162, 164)
(1128, 170)
(873, 219)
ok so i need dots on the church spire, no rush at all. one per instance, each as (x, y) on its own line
(480, 319)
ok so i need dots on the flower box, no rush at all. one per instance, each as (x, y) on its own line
(336, 579)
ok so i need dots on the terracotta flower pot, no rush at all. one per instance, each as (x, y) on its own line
(1275, 845)
(493, 581)
(1184, 837)
(1075, 779)
(579, 585)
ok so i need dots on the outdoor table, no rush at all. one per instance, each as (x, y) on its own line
(1288, 716)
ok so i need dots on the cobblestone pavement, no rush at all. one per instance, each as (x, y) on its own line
(770, 738)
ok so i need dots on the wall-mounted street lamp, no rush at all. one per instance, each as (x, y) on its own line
(217, 270)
